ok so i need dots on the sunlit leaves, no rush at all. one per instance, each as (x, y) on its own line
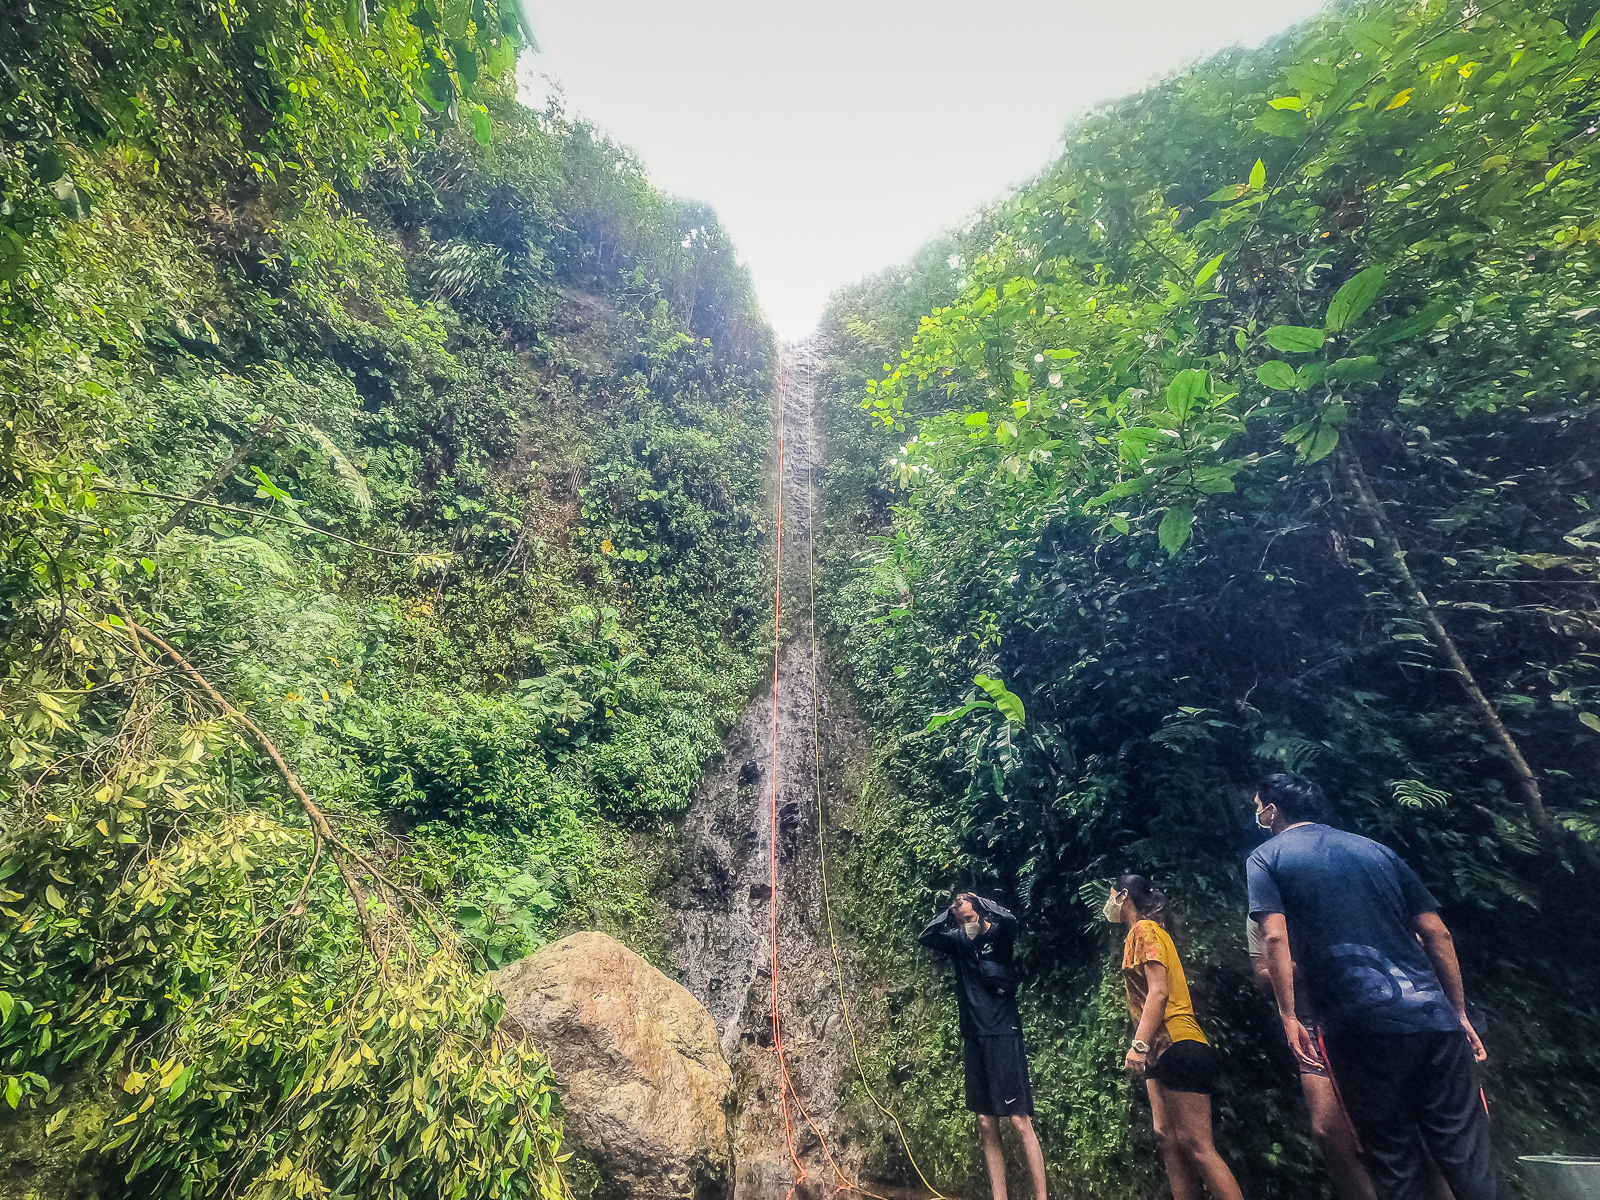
(1208, 272)
(1001, 699)
(1007, 701)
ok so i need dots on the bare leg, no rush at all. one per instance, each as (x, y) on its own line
(1438, 1189)
(1034, 1155)
(1190, 1116)
(989, 1135)
(1180, 1172)
(1334, 1135)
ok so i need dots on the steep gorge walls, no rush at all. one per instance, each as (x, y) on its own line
(438, 452)
(1108, 453)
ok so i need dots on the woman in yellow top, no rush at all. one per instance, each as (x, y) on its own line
(1169, 1050)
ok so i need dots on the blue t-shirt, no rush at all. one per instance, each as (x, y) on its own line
(1350, 905)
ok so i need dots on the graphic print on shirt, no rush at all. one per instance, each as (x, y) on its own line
(1373, 983)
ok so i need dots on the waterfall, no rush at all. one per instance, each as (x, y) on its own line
(719, 935)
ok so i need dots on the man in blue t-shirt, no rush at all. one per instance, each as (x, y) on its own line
(1380, 969)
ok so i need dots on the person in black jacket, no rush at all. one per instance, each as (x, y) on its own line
(977, 935)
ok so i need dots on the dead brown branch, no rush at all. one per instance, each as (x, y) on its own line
(343, 854)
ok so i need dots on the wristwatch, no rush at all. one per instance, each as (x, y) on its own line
(1141, 1046)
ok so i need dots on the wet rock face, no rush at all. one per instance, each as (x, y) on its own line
(784, 746)
(643, 1080)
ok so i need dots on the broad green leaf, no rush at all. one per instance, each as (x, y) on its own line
(1231, 192)
(1401, 99)
(272, 489)
(6, 1005)
(1351, 85)
(53, 897)
(1208, 272)
(13, 1091)
(1288, 103)
(1323, 441)
(1365, 369)
(1310, 375)
(1353, 299)
(1186, 385)
(1278, 123)
(482, 127)
(1422, 321)
(1368, 38)
(1008, 702)
(955, 714)
(1591, 720)
(1128, 487)
(1278, 375)
(1258, 177)
(181, 1084)
(1175, 528)
(1294, 339)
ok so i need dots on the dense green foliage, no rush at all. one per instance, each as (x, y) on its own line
(1115, 458)
(473, 425)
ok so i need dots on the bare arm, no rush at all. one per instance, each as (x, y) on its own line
(1440, 948)
(1279, 963)
(1258, 972)
(1155, 1002)
(1150, 1017)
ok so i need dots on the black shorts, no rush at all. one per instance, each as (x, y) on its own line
(997, 1076)
(1188, 1066)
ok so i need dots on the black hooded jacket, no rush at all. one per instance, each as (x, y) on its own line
(986, 979)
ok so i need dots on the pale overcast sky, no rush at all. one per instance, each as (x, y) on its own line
(833, 137)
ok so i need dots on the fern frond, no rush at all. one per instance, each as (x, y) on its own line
(340, 462)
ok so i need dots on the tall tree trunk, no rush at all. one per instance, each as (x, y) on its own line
(1371, 509)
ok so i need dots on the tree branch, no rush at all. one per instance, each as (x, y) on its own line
(1371, 509)
(268, 424)
(246, 512)
(320, 828)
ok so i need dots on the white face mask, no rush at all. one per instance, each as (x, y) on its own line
(1112, 910)
(1259, 822)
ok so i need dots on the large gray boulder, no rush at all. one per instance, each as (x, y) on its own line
(643, 1081)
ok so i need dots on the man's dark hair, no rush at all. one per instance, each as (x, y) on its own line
(1295, 797)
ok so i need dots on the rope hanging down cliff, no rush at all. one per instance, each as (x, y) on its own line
(786, 1087)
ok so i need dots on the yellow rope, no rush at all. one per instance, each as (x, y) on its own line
(822, 853)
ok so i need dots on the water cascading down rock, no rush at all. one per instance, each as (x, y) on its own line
(719, 930)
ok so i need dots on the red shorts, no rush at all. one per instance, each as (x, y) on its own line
(1314, 1028)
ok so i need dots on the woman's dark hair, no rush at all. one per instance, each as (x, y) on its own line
(1295, 797)
(1151, 902)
